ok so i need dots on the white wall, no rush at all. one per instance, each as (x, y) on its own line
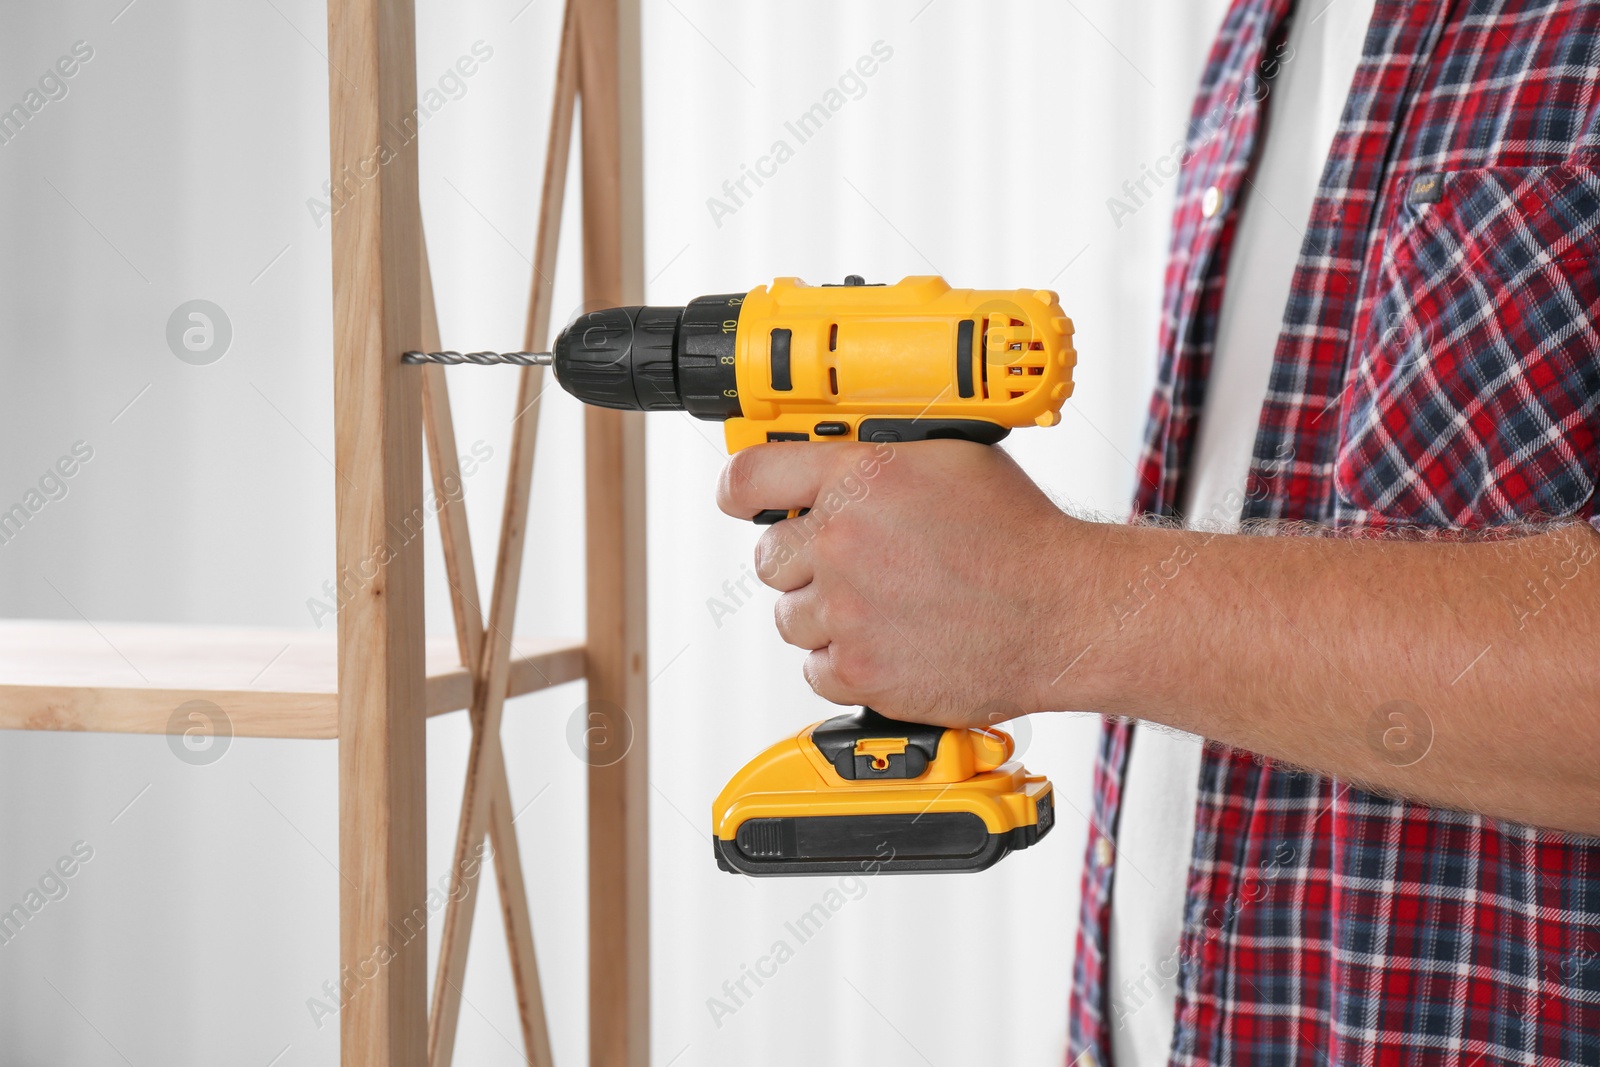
(178, 166)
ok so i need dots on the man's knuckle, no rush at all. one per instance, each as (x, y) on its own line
(777, 552)
(786, 614)
(742, 471)
(815, 670)
(766, 555)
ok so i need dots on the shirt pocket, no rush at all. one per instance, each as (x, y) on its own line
(1473, 399)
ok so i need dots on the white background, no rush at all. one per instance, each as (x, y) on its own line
(179, 166)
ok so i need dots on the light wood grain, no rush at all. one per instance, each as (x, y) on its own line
(123, 655)
(518, 922)
(619, 882)
(488, 705)
(502, 833)
(159, 711)
(461, 573)
(133, 677)
(536, 663)
(485, 799)
(377, 251)
(444, 465)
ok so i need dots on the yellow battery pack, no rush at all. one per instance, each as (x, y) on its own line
(861, 793)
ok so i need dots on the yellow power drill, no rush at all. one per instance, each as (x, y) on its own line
(916, 361)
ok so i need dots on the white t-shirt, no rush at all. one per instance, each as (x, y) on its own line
(1155, 832)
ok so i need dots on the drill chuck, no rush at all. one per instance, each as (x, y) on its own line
(655, 358)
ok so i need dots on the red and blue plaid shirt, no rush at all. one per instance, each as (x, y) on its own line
(1438, 366)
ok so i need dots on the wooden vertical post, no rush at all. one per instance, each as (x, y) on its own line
(613, 273)
(383, 945)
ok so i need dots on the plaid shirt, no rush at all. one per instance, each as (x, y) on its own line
(1438, 366)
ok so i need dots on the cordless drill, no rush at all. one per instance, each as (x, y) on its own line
(916, 361)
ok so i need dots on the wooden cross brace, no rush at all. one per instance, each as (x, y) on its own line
(486, 650)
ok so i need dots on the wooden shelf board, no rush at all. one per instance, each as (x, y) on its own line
(133, 677)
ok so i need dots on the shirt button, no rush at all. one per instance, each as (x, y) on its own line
(1102, 852)
(1211, 201)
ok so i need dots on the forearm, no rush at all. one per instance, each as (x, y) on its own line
(1463, 674)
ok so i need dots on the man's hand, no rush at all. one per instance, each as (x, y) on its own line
(935, 582)
(927, 581)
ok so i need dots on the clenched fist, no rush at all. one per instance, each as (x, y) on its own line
(931, 580)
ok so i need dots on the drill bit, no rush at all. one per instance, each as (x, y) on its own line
(482, 359)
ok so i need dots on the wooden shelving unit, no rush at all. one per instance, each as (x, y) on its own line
(373, 685)
(129, 678)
